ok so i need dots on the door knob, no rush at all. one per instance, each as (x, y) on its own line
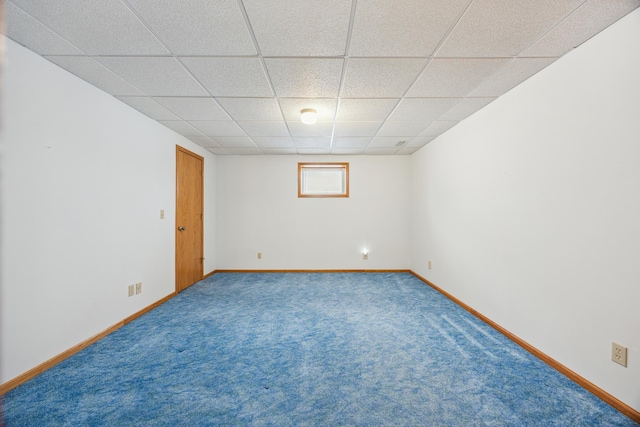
(181, 228)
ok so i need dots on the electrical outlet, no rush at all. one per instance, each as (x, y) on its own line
(161, 213)
(259, 255)
(365, 256)
(619, 354)
(131, 290)
(429, 264)
(138, 287)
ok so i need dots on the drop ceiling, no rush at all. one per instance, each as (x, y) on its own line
(386, 76)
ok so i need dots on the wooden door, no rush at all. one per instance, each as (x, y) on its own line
(189, 218)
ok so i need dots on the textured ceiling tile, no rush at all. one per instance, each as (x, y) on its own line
(203, 141)
(363, 110)
(360, 142)
(349, 129)
(407, 150)
(218, 127)
(419, 141)
(514, 73)
(402, 27)
(235, 141)
(454, 77)
(326, 108)
(194, 108)
(465, 108)
(503, 27)
(404, 129)
(589, 19)
(302, 150)
(230, 76)
(149, 107)
(262, 128)
(197, 27)
(96, 74)
(273, 142)
(312, 142)
(386, 142)
(380, 77)
(25, 30)
(347, 151)
(279, 151)
(183, 128)
(438, 127)
(96, 27)
(245, 150)
(155, 76)
(422, 109)
(308, 28)
(216, 150)
(382, 151)
(298, 128)
(305, 77)
(266, 109)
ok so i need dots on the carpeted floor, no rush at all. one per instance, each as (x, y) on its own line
(305, 349)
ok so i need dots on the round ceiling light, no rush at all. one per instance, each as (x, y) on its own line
(308, 116)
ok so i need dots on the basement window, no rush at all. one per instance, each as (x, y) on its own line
(323, 179)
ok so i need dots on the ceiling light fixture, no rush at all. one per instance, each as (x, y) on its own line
(308, 116)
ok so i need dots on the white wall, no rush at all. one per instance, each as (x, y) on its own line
(84, 178)
(530, 209)
(259, 211)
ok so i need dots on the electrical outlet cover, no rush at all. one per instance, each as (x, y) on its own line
(619, 354)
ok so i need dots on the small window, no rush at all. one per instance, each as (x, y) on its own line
(323, 179)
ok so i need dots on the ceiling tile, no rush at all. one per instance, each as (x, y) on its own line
(96, 74)
(383, 151)
(262, 128)
(216, 150)
(380, 77)
(503, 27)
(310, 28)
(407, 150)
(514, 73)
(386, 142)
(312, 142)
(230, 76)
(422, 109)
(101, 28)
(183, 128)
(149, 107)
(235, 141)
(419, 141)
(465, 108)
(203, 141)
(347, 151)
(280, 151)
(305, 77)
(438, 127)
(326, 150)
(194, 108)
(407, 130)
(402, 27)
(169, 77)
(273, 142)
(363, 110)
(22, 28)
(197, 27)
(589, 19)
(454, 77)
(244, 150)
(266, 109)
(298, 128)
(291, 107)
(349, 129)
(218, 127)
(359, 142)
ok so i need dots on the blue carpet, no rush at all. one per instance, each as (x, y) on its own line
(306, 349)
